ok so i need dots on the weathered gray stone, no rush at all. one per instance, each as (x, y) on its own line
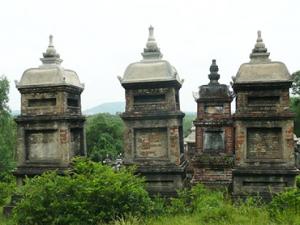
(152, 68)
(264, 144)
(261, 68)
(50, 128)
(212, 160)
(153, 137)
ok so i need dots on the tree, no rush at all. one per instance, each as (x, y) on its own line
(295, 107)
(296, 83)
(188, 123)
(104, 136)
(295, 101)
(7, 129)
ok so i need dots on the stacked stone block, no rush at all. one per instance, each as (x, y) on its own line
(213, 159)
(153, 137)
(264, 142)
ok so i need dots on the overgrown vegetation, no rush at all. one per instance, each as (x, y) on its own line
(91, 193)
(7, 186)
(200, 206)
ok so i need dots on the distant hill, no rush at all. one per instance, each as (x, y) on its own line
(108, 107)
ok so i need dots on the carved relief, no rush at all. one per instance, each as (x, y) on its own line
(151, 142)
(264, 143)
(214, 140)
(211, 109)
(150, 91)
(42, 145)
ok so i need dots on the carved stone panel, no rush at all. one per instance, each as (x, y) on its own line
(264, 143)
(42, 146)
(151, 142)
(211, 109)
(214, 140)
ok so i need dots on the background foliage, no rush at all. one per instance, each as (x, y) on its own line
(7, 130)
(296, 83)
(295, 101)
(104, 136)
(188, 123)
(295, 107)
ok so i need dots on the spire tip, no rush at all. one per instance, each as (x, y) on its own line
(50, 40)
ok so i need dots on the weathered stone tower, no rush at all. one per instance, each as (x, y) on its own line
(264, 145)
(153, 121)
(213, 159)
(50, 127)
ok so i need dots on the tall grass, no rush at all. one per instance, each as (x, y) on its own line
(200, 206)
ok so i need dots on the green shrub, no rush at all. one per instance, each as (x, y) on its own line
(287, 201)
(90, 194)
(7, 187)
(182, 203)
(159, 206)
(211, 205)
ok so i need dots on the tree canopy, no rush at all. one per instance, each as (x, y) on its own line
(104, 136)
(296, 83)
(295, 101)
(7, 129)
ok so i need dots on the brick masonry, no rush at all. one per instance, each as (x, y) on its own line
(212, 161)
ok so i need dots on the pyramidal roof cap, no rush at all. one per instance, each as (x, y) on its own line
(50, 73)
(152, 68)
(261, 69)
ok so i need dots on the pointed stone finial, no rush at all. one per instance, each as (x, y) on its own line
(151, 43)
(51, 56)
(151, 51)
(260, 52)
(259, 46)
(214, 76)
(259, 35)
(50, 41)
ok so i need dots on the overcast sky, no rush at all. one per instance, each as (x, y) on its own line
(99, 39)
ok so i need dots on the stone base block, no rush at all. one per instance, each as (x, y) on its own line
(262, 183)
(213, 178)
(164, 181)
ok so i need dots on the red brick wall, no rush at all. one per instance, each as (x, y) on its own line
(212, 177)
